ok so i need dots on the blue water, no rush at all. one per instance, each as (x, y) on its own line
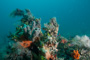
(73, 16)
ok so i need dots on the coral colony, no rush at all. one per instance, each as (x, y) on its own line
(30, 43)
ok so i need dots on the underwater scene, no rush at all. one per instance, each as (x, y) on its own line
(44, 29)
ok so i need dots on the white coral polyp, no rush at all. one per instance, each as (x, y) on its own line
(86, 41)
(82, 41)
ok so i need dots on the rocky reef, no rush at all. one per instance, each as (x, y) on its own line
(30, 43)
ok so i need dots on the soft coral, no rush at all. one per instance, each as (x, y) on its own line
(75, 54)
(26, 44)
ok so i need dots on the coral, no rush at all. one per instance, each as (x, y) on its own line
(75, 54)
(63, 41)
(17, 12)
(82, 41)
(30, 38)
(29, 42)
(26, 44)
(48, 56)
